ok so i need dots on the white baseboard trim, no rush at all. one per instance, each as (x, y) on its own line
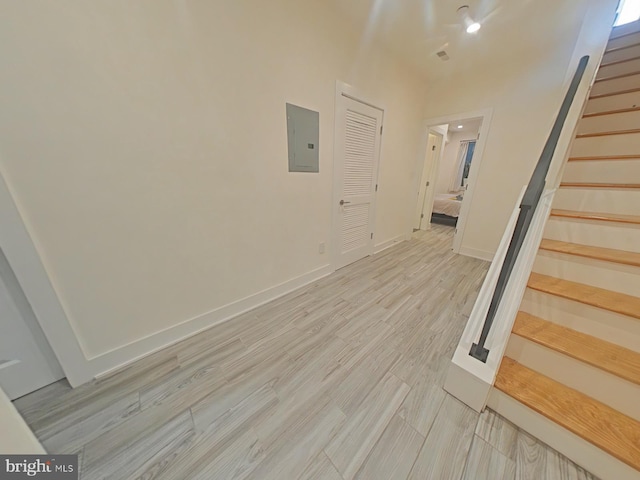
(115, 359)
(585, 454)
(466, 386)
(389, 243)
(476, 253)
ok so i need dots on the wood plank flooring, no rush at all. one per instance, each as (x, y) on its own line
(339, 380)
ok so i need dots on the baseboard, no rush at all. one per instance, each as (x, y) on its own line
(115, 359)
(476, 253)
(389, 243)
(588, 456)
(466, 387)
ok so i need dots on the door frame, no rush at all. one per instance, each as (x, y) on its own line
(30, 270)
(345, 90)
(31, 363)
(486, 114)
(428, 196)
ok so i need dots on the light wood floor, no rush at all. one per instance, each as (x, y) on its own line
(339, 380)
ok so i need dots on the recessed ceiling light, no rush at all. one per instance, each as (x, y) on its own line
(473, 28)
(460, 126)
(470, 24)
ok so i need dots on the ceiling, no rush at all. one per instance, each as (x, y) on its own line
(469, 125)
(416, 29)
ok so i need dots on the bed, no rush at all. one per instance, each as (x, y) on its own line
(446, 208)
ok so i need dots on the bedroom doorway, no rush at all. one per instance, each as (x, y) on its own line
(451, 175)
(453, 170)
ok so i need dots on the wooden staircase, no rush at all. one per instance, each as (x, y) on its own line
(573, 357)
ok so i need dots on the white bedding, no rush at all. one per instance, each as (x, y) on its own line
(446, 203)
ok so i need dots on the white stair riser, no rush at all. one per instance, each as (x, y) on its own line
(585, 454)
(619, 394)
(625, 29)
(625, 201)
(616, 85)
(597, 273)
(614, 122)
(627, 144)
(609, 326)
(624, 54)
(615, 102)
(603, 171)
(606, 71)
(623, 41)
(619, 236)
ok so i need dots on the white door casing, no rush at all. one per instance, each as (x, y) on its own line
(27, 362)
(18, 247)
(432, 157)
(422, 189)
(358, 132)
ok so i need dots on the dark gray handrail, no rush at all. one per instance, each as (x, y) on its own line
(527, 209)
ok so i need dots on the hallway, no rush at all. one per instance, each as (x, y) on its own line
(339, 380)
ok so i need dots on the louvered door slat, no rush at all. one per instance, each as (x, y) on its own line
(360, 135)
(355, 227)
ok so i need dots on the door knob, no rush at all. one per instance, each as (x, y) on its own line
(342, 202)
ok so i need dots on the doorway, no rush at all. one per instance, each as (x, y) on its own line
(358, 133)
(27, 362)
(453, 173)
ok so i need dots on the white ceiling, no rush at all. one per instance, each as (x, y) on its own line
(417, 29)
(469, 125)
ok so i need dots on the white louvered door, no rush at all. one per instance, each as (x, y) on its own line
(357, 153)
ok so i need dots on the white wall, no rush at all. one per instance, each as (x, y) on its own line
(145, 145)
(525, 93)
(449, 161)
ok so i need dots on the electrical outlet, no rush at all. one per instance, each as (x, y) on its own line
(321, 247)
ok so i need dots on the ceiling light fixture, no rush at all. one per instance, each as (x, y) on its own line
(470, 24)
(459, 126)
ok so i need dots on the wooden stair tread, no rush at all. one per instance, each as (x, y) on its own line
(596, 158)
(606, 356)
(588, 251)
(579, 292)
(597, 423)
(619, 92)
(599, 185)
(612, 132)
(614, 77)
(611, 112)
(617, 62)
(623, 47)
(603, 217)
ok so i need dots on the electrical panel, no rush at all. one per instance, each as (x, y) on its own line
(303, 135)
